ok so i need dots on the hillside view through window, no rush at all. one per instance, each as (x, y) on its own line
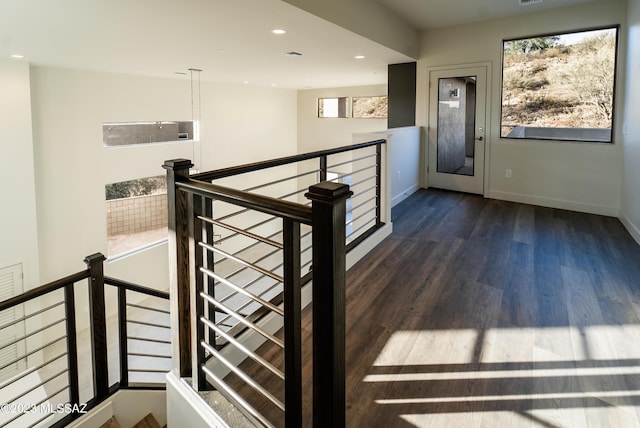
(559, 87)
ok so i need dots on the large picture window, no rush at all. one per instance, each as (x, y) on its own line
(136, 214)
(559, 86)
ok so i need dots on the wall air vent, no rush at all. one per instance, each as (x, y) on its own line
(528, 2)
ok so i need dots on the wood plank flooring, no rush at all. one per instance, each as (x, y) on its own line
(484, 313)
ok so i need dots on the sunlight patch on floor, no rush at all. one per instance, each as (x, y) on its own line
(516, 377)
(503, 419)
(505, 374)
(496, 345)
(609, 341)
(428, 347)
(512, 397)
(549, 418)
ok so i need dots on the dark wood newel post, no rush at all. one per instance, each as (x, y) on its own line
(72, 344)
(292, 324)
(98, 325)
(329, 277)
(122, 334)
(177, 170)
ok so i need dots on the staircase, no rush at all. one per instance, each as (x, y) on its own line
(148, 421)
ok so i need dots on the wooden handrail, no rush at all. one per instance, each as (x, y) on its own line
(43, 289)
(189, 196)
(256, 166)
(135, 287)
(265, 204)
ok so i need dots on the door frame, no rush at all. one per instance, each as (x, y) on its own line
(488, 116)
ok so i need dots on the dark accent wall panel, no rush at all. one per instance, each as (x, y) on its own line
(401, 88)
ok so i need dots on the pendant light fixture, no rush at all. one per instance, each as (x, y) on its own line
(195, 117)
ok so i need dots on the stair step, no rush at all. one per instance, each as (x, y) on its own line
(111, 423)
(149, 421)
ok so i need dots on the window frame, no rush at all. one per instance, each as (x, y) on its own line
(190, 124)
(616, 57)
(347, 107)
(128, 219)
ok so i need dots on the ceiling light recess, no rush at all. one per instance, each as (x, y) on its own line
(528, 2)
(279, 31)
(359, 57)
(292, 53)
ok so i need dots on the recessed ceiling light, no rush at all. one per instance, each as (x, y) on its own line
(279, 31)
(273, 84)
(245, 81)
(181, 73)
(292, 53)
(17, 56)
(359, 57)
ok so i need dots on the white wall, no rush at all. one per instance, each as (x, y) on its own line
(630, 204)
(239, 124)
(18, 226)
(404, 153)
(578, 176)
(367, 18)
(316, 133)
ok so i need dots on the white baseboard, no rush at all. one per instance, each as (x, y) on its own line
(404, 195)
(633, 229)
(555, 203)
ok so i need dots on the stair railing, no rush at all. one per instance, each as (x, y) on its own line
(45, 382)
(202, 288)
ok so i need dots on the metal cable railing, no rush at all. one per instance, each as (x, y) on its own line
(43, 382)
(39, 368)
(249, 252)
(362, 210)
(144, 335)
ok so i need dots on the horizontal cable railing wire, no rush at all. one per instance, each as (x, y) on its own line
(256, 261)
(39, 368)
(144, 335)
(247, 257)
(367, 162)
(257, 166)
(40, 372)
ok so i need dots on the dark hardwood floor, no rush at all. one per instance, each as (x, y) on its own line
(484, 313)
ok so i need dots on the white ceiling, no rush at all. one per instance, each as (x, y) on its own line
(230, 40)
(429, 14)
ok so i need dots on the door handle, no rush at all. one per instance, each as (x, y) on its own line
(479, 138)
